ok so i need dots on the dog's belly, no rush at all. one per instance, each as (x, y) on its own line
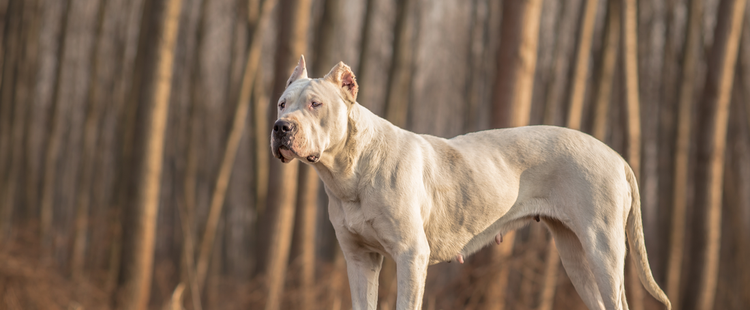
(467, 215)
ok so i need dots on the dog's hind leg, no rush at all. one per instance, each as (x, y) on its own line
(605, 250)
(575, 262)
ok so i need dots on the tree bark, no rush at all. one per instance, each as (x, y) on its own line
(512, 104)
(563, 46)
(10, 57)
(307, 208)
(714, 113)
(551, 268)
(90, 137)
(53, 150)
(516, 63)
(261, 149)
(606, 73)
(138, 283)
(125, 98)
(580, 73)
(400, 74)
(682, 151)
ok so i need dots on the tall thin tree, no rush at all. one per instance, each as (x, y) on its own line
(682, 149)
(138, 283)
(606, 72)
(714, 114)
(580, 72)
(400, 74)
(90, 133)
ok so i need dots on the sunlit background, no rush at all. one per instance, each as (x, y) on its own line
(135, 168)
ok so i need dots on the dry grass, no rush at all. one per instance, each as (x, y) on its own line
(27, 283)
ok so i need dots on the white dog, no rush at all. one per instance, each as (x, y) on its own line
(424, 200)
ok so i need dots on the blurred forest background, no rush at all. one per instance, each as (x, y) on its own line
(135, 168)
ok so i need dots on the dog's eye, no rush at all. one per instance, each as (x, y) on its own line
(282, 104)
(316, 104)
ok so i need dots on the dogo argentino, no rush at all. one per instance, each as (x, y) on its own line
(424, 200)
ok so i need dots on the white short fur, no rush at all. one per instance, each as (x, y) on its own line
(424, 200)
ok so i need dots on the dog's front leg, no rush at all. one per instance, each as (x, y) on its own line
(363, 269)
(411, 270)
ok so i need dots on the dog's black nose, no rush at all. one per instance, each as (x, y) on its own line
(283, 127)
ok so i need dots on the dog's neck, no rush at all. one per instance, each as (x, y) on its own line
(340, 172)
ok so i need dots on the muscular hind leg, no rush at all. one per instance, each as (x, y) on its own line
(605, 250)
(576, 264)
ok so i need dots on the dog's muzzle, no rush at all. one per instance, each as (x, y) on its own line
(281, 140)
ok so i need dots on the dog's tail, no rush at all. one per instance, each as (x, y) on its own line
(634, 228)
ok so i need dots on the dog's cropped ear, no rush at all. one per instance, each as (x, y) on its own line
(342, 76)
(300, 72)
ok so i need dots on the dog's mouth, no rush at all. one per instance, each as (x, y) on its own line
(286, 155)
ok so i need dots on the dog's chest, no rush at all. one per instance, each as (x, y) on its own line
(349, 218)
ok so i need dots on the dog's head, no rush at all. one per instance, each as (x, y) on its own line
(313, 113)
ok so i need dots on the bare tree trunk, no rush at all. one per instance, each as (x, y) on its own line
(630, 65)
(714, 113)
(91, 130)
(9, 109)
(10, 54)
(556, 87)
(682, 150)
(138, 284)
(52, 18)
(238, 126)
(3, 16)
(307, 208)
(479, 59)
(367, 41)
(516, 63)
(261, 149)
(281, 232)
(400, 75)
(606, 73)
(187, 253)
(292, 43)
(512, 104)
(53, 151)
(551, 268)
(123, 93)
(583, 51)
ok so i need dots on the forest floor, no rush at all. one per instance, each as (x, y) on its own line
(28, 282)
